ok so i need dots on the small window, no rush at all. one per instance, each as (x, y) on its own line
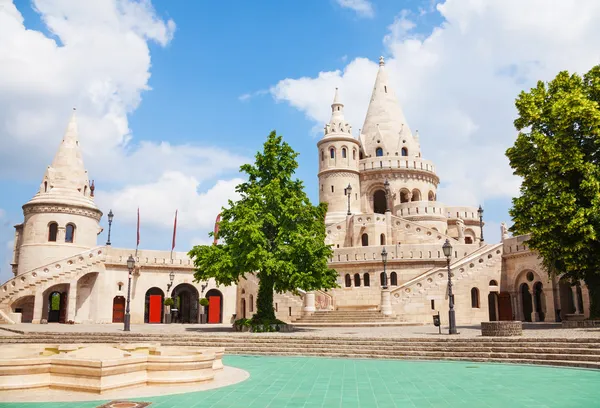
(432, 304)
(366, 279)
(45, 186)
(52, 232)
(276, 307)
(393, 279)
(360, 155)
(332, 153)
(382, 279)
(251, 303)
(348, 280)
(475, 298)
(404, 151)
(468, 240)
(120, 286)
(70, 233)
(353, 154)
(379, 152)
(382, 239)
(493, 283)
(332, 189)
(322, 155)
(343, 153)
(357, 280)
(365, 240)
(385, 88)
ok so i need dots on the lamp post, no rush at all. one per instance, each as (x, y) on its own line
(171, 279)
(451, 316)
(386, 185)
(384, 255)
(110, 219)
(480, 213)
(130, 266)
(348, 192)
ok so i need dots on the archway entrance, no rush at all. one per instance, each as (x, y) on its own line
(567, 303)
(118, 309)
(493, 306)
(504, 307)
(215, 306)
(57, 307)
(538, 295)
(154, 306)
(379, 202)
(526, 302)
(186, 299)
(24, 306)
(243, 308)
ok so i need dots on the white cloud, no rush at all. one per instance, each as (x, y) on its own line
(158, 201)
(247, 96)
(363, 8)
(458, 84)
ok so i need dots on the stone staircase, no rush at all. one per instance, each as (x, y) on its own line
(39, 279)
(584, 353)
(347, 318)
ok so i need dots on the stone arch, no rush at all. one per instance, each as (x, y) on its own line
(404, 196)
(24, 305)
(356, 280)
(431, 196)
(526, 302)
(154, 305)
(475, 298)
(52, 231)
(186, 299)
(365, 239)
(469, 236)
(86, 302)
(379, 202)
(348, 280)
(366, 279)
(393, 279)
(567, 301)
(416, 195)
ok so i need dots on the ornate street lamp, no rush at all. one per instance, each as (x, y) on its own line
(384, 255)
(130, 266)
(110, 219)
(447, 248)
(348, 192)
(171, 279)
(480, 213)
(386, 185)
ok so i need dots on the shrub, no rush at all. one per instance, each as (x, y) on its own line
(203, 302)
(169, 302)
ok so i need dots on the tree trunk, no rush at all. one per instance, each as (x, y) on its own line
(593, 283)
(264, 301)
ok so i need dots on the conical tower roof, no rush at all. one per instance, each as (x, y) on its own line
(385, 125)
(66, 179)
(337, 124)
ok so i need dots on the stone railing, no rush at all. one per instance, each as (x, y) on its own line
(502, 329)
(464, 213)
(397, 162)
(421, 208)
(149, 258)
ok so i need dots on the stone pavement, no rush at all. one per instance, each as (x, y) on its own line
(531, 330)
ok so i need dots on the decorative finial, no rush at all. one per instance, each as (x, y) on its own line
(381, 61)
(74, 108)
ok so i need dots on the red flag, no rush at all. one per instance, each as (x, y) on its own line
(138, 228)
(216, 230)
(174, 231)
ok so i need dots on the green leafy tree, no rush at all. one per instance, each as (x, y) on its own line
(272, 231)
(557, 154)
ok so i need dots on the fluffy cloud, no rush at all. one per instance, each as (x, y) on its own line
(363, 8)
(96, 57)
(457, 84)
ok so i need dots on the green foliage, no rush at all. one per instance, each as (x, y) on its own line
(272, 231)
(557, 155)
(55, 303)
(259, 326)
(169, 302)
(203, 302)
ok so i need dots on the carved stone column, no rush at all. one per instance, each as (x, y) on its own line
(38, 306)
(386, 303)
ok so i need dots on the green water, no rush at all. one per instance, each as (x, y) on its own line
(318, 382)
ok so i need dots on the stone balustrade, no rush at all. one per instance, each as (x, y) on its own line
(397, 162)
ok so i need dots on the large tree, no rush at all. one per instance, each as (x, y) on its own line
(272, 231)
(557, 154)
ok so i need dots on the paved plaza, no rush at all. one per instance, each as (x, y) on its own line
(530, 330)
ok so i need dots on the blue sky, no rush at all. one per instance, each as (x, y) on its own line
(173, 96)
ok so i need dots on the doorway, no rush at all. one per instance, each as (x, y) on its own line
(379, 202)
(493, 306)
(215, 306)
(154, 305)
(57, 310)
(526, 302)
(538, 294)
(504, 307)
(118, 315)
(186, 299)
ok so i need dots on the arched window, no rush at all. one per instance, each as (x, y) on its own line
(431, 196)
(357, 280)
(475, 298)
(353, 154)
(493, 283)
(52, 231)
(365, 240)
(404, 196)
(404, 151)
(382, 239)
(322, 155)
(468, 240)
(70, 233)
(416, 195)
(366, 279)
(251, 303)
(360, 155)
(379, 152)
(343, 152)
(379, 205)
(45, 186)
(382, 280)
(348, 280)
(332, 153)
(393, 279)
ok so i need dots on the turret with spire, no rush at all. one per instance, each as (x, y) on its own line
(62, 218)
(338, 165)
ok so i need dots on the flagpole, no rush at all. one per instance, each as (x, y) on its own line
(138, 232)
(174, 235)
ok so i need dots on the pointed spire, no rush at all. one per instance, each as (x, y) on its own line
(337, 124)
(381, 61)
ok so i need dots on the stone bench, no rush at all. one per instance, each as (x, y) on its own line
(502, 329)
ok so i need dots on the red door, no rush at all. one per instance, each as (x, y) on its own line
(504, 307)
(118, 309)
(214, 309)
(154, 316)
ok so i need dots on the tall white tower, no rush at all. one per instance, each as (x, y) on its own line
(62, 219)
(338, 166)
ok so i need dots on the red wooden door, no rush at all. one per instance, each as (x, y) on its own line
(214, 309)
(504, 307)
(154, 315)
(118, 309)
